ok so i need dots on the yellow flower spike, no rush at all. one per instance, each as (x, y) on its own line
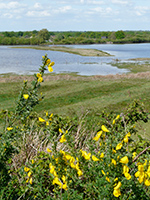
(32, 161)
(26, 169)
(114, 121)
(9, 128)
(94, 158)
(104, 128)
(63, 178)
(48, 150)
(119, 146)
(114, 151)
(41, 119)
(124, 160)
(26, 96)
(62, 139)
(113, 162)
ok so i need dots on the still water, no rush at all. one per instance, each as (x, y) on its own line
(27, 61)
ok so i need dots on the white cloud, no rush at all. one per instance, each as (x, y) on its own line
(141, 10)
(38, 14)
(121, 2)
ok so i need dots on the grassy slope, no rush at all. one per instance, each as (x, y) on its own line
(76, 96)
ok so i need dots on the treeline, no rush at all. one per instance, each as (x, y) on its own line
(72, 37)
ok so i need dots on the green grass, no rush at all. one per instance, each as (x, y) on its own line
(81, 94)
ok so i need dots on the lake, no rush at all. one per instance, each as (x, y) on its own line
(27, 61)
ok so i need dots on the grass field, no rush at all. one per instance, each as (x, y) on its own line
(72, 95)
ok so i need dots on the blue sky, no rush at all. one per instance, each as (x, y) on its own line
(74, 15)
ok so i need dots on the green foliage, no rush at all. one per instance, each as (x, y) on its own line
(55, 157)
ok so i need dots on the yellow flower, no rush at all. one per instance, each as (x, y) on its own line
(48, 61)
(102, 155)
(9, 128)
(64, 186)
(26, 96)
(103, 172)
(87, 156)
(41, 119)
(117, 117)
(47, 123)
(52, 63)
(79, 172)
(125, 169)
(124, 160)
(98, 135)
(133, 155)
(32, 161)
(26, 169)
(39, 75)
(147, 182)
(116, 193)
(56, 181)
(113, 162)
(119, 146)
(40, 79)
(94, 158)
(50, 69)
(29, 174)
(48, 150)
(60, 130)
(117, 186)
(107, 179)
(125, 139)
(62, 139)
(104, 128)
(127, 175)
(114, 121)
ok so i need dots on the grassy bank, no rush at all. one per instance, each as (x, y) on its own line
(78, 51)
(75, 95)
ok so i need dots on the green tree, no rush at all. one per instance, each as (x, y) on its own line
(120, 35)
(44, 34)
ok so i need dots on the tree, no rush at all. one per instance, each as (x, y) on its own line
(120, 35)
(44, 34)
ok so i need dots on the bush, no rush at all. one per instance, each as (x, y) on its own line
(54, 157)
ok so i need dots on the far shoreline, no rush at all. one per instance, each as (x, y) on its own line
(78, 51)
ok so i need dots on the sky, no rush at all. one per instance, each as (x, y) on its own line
(74, 15)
